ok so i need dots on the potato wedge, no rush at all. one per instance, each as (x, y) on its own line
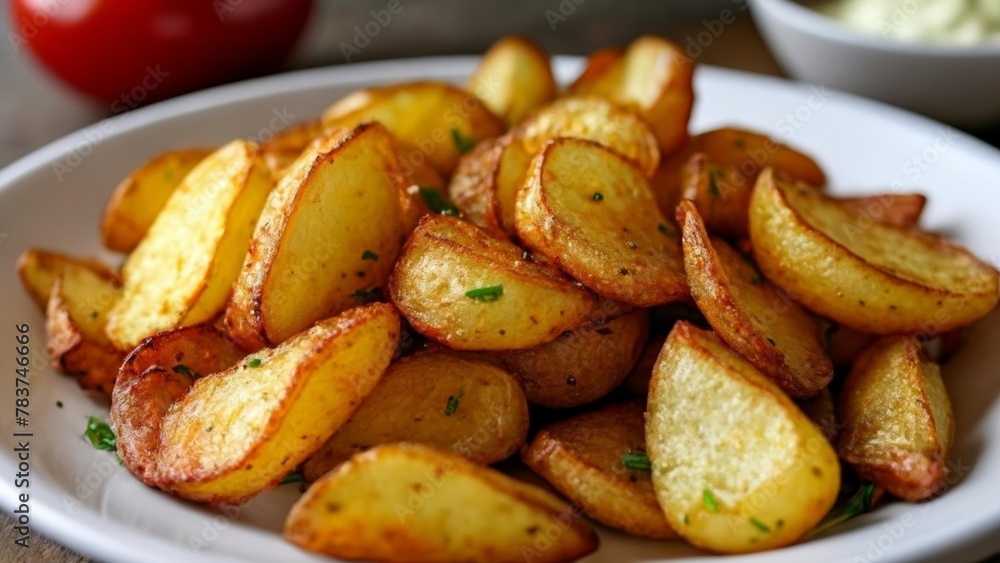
(863, 274)
(750, 314)
(182, 272)
(582, 457)
(513, 79)
(408, 502)
(436, 118)
(737, 467)
(898, 421)
(75, 318)
(327, 237)
(38, 270)
(598, 63)
(281, 150)
(459, 286)
(238, 432)
(654, 76)
(156, 375)
(141, 196)
(582, 365)
(468, 406)
(895, 210)
(473, 186)
(591, 213)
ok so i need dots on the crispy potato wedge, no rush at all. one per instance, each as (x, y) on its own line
(822, 410)
(409, 502)
(898, 421)
(285, 147)
(844, 344)
(436, 118)
(654, 76)
(468, 406)
(592, 213)
(513, 79)
(329, 233)
(473, 186)
(863, 274)
(582, 365)
(238, 432)
(582, 457)
(895, 210)
(38, 270)
(750, 314)
(737, 157)
(182, 273)
(156, 375)
(141, 196)
(598, 63)
(459, 286)
(75, 318)
(737, 467)
(637, 381)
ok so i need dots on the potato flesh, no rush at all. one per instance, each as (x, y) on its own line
(240, 431)
(718, 429)
(38, 270)
(513, 79)
(592, 214)
(287, 145)
(329, 232)
(471, 407)
(182, 272)
(406, 502)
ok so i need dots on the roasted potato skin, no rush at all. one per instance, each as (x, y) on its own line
(38, 270)
(869, 276)
(737, 467)
(513, 79)
(895, 210)
(285, 147)
(473, 187)
(582, 458)
(410, 503)
(442, 399)
(447, 257)
(582, 365)
(898, 420)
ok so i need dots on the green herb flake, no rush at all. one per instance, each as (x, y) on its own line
(100, 435)
(709, 499)
(760, 525)
(636, 461)
(293, 477)
(687, 521)
(598, 196)
(59, 404)
(663, 228)
(488, 293)
(367, 295)
(857, 505)
(185, 370)
(452, 405)
(436, 202)
(462, 145)
(713, 188)
(369, 255)
(254, 362)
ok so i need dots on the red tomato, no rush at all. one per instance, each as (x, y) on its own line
(131, 52)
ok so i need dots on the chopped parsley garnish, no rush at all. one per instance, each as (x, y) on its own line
(293, 477)
(452, 405)
(369, 255)
(100, 435)
(59, 404)
(687, 521)
(598, 196)
(462, 145)
(709, 499)
(488, 293)
(436, 202)
(664, 228)
(367, 295)
(185, 370)
(254, 362)
(713, 188)
(636, 461)
(857, 505)
(760, 525)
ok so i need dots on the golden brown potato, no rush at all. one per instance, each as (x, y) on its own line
(654, 76)
(513, 79)
(843, 344)
(285, 147)
(591, 213)
(758, 320)
(473, 187)
(869, 276)
(238, 432)
(581, 365)
(459, 286)
(410, 503)
(38, 270)
(156, 375)
(637, 381)
(895, 210)
(441, 399)
(721, 197)
(737, 467)
(327, 237)
(438, 119)
(75, 318)
(737, 156)
(598, 63)
(140, 197)
(596, 459)
(822, 410)
(898, 420)
(182, 272)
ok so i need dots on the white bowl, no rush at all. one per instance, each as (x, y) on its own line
(958, 85)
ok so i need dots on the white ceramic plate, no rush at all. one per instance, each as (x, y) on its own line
(82, 498)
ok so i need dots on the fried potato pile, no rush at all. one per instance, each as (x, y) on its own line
(682, 334)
